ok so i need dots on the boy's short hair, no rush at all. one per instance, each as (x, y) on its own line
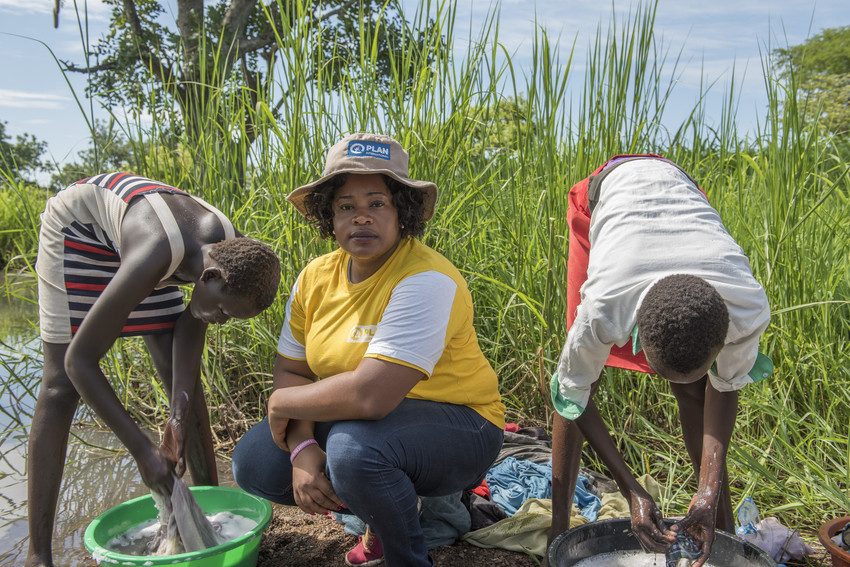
(250, 268)
(681, 321)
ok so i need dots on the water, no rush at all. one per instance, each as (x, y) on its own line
(99, 473)
(627, 559)
(139, 540)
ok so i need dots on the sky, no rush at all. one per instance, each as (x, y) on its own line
(714, 36)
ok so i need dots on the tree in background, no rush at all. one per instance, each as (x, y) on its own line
(821, 68)
(231, 46)
(21, 199)
(20, 158)
(108, 150)
(501, 126)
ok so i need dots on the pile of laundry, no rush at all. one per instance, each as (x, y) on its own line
(512, 507)
(781, 543)
(520, 486)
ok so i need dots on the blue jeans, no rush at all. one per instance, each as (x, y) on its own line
(379, 467)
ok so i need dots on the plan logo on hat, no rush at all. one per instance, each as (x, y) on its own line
(369, 149)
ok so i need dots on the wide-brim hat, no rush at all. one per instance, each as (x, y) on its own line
(368, 153)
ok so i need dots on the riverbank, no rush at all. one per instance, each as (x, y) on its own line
(297, 539)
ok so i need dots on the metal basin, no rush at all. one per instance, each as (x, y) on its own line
(608, 536)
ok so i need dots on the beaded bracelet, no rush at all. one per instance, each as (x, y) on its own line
(300, 447)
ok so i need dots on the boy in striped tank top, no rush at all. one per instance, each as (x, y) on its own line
(112, 250)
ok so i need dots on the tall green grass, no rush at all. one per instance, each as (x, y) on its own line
(504, 144)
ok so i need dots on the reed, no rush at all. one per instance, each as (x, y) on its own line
(504, 144)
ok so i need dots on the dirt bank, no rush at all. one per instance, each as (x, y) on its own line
(297, 539)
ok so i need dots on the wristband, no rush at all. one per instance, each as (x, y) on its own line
(300, 447)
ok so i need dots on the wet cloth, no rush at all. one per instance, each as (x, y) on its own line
(842, 538)
(534, 444)
(513, 481)
(183, 526)
(626, 254)
(781, 543)
(525, 446)
(482, 490)
(526, 531)
(79, 252)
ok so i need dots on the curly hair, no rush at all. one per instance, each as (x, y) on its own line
(409, 203)
(250, 268)
(681, 321)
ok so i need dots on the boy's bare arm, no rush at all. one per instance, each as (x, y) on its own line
(721, 409)
(646, 517)
(140, 271)
(187, 348)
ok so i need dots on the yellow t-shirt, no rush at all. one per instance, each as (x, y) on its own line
(416, 310)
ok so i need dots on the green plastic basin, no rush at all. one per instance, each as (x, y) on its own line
(238, 552)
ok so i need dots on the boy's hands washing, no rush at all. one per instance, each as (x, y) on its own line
(173, 438)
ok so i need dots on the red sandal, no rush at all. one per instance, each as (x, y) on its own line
(367, 552)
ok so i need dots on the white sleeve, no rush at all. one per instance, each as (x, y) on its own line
(582, 360)
(287, 344)
(414, 324)
(736, 360)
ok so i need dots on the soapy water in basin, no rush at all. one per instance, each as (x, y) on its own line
(627, 559)
(139, 539)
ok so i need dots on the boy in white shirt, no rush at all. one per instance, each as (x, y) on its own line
(656, 283)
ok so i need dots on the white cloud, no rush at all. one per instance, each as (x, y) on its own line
(27, 7)
(96, 8)
(30, 100)
(131, 118)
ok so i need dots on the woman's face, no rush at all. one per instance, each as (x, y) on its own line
(365, 219)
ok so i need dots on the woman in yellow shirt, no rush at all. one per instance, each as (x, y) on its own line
(381, 392)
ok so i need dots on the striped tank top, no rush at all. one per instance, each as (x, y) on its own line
(80, 251)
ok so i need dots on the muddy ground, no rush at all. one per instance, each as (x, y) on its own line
(297, 539)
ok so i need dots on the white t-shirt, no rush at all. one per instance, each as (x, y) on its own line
(651, 221)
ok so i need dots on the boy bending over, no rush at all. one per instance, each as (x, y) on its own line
(657, 284)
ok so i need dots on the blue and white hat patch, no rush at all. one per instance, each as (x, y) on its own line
(365, 148)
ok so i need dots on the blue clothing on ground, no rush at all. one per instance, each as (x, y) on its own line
(587, 502)
(513, 481)
(378, 467)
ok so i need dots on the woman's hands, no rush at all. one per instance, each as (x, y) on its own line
(311, 488)
(278, 426)
(647, 522)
